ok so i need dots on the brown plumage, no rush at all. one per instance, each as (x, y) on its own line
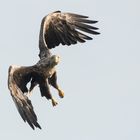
(18, 78)
(64, 28)
(56, 28)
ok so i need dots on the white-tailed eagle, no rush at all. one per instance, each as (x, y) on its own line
(56, 28)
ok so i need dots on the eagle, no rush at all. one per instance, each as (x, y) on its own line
(56, 28)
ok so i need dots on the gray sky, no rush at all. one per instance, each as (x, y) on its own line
(101, 78)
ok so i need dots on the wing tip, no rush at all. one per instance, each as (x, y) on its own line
(26, 111)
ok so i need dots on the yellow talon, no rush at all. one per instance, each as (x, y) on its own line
(54, 103)
(61, 93)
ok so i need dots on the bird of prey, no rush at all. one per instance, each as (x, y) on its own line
(56, 28)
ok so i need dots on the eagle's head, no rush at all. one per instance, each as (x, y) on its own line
(54, 60)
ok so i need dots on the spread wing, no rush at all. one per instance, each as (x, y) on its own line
(17, 85)
(67, 29)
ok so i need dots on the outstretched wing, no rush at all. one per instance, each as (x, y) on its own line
(21, 101)
(66, 28)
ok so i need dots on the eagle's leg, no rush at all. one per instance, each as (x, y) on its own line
(33, 84)
(53, 82)
(54, 103)
(45, 91)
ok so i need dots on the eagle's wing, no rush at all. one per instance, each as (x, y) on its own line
(66, 28)
(21, 101)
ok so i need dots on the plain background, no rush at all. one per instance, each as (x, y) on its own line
(101, 78)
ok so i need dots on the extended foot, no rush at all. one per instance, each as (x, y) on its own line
(61, 93)
(54, 103)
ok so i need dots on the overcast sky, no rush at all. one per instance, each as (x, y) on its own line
(100, 78)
